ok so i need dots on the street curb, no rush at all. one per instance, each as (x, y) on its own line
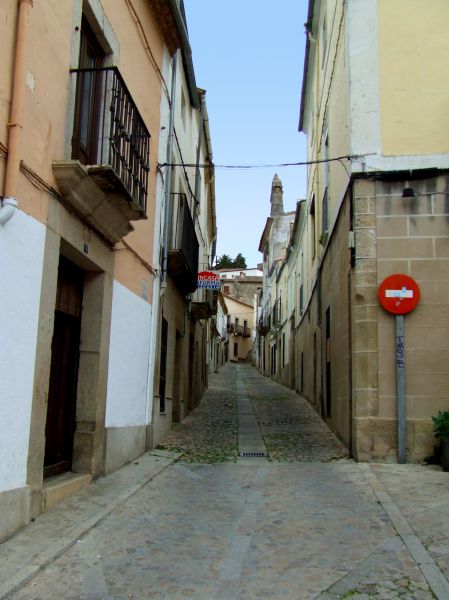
(25, 574)
(430, 570)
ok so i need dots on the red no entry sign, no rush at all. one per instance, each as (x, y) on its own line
(399, 294)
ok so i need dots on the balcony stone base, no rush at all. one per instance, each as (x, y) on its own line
(98, 196)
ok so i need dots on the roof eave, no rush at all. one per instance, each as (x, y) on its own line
(306, 65)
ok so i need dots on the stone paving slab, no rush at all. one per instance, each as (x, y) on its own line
(278, 531)
(54, 532)
(305, 523)
(422, 497)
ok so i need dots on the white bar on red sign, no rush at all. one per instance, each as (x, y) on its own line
(404, 293)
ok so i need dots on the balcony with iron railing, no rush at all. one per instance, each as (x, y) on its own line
(106, 180)
(204, 304)
(277, 313)
(264, 323)
(183, 251)
(238, 330)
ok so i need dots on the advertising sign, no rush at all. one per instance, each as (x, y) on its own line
(208, 280)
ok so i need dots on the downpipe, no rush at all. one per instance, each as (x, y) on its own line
(8, 208)
(9, 201)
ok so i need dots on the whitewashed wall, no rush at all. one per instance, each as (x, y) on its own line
(128, 359)
(22, 242)
(362, 42)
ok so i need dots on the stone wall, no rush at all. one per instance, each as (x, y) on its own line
(410, 235)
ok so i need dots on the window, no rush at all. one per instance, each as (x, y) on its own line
(325, 216)
(283, 349)
(87, 106)
(301, 300)
(324, 41)
(183, 109)
(312, 226)
(328, 364)
(325, 207)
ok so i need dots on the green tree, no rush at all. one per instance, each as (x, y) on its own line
(239, 261)
(224, 262)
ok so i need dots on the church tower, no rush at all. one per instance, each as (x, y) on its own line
(277, 201)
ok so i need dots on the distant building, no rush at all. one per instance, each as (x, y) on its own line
(240, 325)
(243, 286)
(271, 344)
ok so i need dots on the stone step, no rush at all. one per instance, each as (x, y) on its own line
(58, 488)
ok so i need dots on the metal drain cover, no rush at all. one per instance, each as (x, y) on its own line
(253, 454)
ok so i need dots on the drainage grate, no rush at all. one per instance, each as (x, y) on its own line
(253, 454)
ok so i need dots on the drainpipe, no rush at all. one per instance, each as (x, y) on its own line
(9, 201)
(171, 129)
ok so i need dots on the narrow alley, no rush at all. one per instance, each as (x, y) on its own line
(250, 497)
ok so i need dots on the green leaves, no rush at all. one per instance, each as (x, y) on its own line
(441, 425)
(225, 262)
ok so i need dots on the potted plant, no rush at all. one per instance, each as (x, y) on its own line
(441, 432)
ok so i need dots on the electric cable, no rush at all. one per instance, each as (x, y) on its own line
(259, 166)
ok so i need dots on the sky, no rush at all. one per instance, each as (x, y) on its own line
(248, 55)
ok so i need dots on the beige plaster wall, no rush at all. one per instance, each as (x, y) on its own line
(335, 297)
(414, 91)
(178, 373)
(310, 385)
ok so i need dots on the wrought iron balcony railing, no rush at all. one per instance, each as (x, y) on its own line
(264, 324)
(109, 130)
(183, 252)
(277, 312)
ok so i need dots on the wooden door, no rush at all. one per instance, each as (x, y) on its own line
(61, 409)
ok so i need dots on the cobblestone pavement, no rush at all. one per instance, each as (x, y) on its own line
(291, 429)
(306, 523)
(290, 426)
(209, 434)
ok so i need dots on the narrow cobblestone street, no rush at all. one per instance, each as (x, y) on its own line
(301, 522)
(290, 427)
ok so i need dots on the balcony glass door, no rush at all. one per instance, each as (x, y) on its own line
(88, 94)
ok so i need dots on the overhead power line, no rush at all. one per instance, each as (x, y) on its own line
(259, 166)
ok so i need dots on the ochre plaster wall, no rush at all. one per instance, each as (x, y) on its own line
(50, 46)
(413, 61)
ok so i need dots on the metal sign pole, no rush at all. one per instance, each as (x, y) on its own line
(400, 384)
(399, 294)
